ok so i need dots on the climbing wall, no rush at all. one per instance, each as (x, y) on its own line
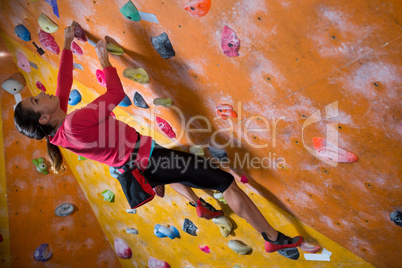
(304, 70)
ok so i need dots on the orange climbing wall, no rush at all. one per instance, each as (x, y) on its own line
(296, 58)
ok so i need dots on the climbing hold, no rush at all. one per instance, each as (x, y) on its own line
(1, 238)
(163, 231)
(42, 254)
(225, 111)
(74, 98)
(220, 197)
(75, 48)
(114, 172)
(14, 84)
(47, 24)
(224, 224)
(218, 154)
(290, 253)
(165, 127)
(115, 50)
(130, 11)
(137, 75)
(79, 33)
(309, 248)
(163, 46)
(236, 266)
(131, 211)
(244, 179)
(396, 217)
(100, 76)
(77, 66)
(81, 158)
(131, 231)
(189, 227)
(329, 151)
(198, 8)
(163, 102)
(108, 196)
(40, 86)
(23, 62)
(53, 4)
(154, 263)
(122, 249)
(40, 165)
(22, 32)
(64, 210)
(239, 247)
(205, 249)
(125, 102)
(48, 42)
(139, 101)
(113, 115)
(230, 43)
(197, 150)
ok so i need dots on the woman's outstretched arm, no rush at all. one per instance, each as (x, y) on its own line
(65, 76)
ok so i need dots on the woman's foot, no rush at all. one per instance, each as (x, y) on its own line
(206, 210)
(102, 53)
(282, 242)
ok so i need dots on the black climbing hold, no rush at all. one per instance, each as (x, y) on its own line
(139, 101)
(290, 253)
(333, 37)
(376, 84)
(230, 45)
(192, 8)
(189, 227)
(163, 46)
(218, 154)
(396, 217)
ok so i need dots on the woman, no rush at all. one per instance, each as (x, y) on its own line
(93, 133)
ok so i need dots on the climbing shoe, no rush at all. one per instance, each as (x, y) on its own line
(290, 253)
(159, 190)
(206, 210)
(282, 242)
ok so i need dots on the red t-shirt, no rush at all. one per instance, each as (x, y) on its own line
(91, 131)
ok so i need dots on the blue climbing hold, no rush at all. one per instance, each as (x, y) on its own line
(125, 102)
(163, 231)
(75, 97)
(22, 32)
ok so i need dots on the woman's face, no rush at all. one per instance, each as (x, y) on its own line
(42, 103)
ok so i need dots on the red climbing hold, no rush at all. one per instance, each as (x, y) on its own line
(100, 76)
(230, 43)
(330, 152)
(79, 32)
(198, 8)
(40, 86)
(122, 249)
(48, 42)
(75, 48)
(205, 249)
(225, 111)
(165, 127)
(244, 179)
(1, 238)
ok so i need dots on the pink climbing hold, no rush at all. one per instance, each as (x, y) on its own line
(165, 127)
(244, 179)
(40, 86)
(230, 43)
(154, 263)
(48, 42)
(205, 249)
(79, 32)
(113, 115)
(100, 76)
(329, 151)
(122, 249)
(75, 48)
(23, 62)
(225, 111)
(309, 248)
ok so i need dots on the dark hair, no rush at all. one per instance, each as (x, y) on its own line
(27, 122)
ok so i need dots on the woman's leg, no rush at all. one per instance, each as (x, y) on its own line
(242, 205)
(185, 191)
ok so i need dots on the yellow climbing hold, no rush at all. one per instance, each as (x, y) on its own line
(137, 75)
(47, 24)
(163, 102)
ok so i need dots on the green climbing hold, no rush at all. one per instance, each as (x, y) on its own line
(81, 158)
(108, 195)
(115, 50)
(130, 12)
(163, 102)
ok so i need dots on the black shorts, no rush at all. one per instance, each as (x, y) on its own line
(170, 166)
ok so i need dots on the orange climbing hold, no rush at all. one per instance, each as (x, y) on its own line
(198, 8)
(330, 152)
(225, 111)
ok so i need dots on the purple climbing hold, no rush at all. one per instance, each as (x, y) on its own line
(42, 254)
(23, 62)
(230, 43)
